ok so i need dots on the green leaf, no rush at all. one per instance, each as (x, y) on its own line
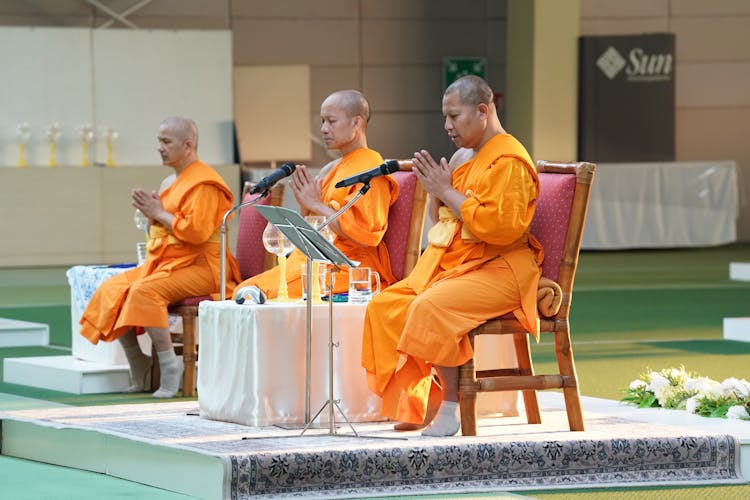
(649, 401)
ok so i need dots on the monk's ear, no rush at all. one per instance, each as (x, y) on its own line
(484, 110)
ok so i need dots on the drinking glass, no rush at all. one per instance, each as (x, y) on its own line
(276, 243)
(316, 221)
(141, 222)
(360, 285)
(318, 286)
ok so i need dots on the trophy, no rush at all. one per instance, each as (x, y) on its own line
(53, 136)
(110, 136)
(87, 138)
(23, 134)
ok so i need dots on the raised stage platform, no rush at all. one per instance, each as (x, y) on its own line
(168, 445)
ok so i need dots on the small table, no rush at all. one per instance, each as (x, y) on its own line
(252, 364)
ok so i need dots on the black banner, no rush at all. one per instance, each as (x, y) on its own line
(627, 98)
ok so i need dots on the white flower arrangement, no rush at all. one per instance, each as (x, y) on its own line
(678, 389)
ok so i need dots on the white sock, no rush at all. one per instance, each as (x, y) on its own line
(140, 368)
(446, 422)
(170, 368)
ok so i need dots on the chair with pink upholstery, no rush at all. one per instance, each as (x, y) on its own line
(558, 225)
(252, 259)
(406, 222)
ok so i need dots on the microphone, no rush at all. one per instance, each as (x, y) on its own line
(386, 168)
(268, 181)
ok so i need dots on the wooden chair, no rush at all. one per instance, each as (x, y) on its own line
(558, 225)
(406, 222)
(252, 259)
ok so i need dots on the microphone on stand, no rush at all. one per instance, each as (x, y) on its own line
(268, 181)
(386, 168)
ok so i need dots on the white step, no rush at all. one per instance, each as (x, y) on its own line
(737, 329)
(66, 374)
(739, 271)
(16, 333)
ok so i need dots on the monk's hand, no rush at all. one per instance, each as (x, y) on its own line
(148, 203)
(434, 176)
(306, 190)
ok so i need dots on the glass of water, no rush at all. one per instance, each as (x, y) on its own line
(360, 284)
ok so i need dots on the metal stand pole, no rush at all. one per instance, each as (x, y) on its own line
(223, 260)
(332, 404)
(309, 304)
(308, 341)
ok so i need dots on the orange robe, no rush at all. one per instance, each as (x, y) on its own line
(366, 222)
(488, 266)
(182, 261)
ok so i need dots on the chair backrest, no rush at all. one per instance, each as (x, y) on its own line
(559, 218)
(251, 255)
(406, 222)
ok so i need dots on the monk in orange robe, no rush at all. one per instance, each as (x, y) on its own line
(481, 262)
(183, 260)
(359, 230)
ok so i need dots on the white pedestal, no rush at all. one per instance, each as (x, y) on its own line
(737, 329)
(15, 333)
(66, 374)
(107, 353)
(739, 271)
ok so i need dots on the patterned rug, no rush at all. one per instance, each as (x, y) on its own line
(507, 455)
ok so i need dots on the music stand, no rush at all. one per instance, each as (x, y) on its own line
(314, 246)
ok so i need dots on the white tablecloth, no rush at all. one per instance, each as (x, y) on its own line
(668, 205)
(252, 364)
(84, 280)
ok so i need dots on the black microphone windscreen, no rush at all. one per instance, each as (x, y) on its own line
(288, 167)
(392, 166)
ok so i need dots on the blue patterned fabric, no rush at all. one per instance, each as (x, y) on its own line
(84, 280)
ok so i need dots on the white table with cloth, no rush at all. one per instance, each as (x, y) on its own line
(251, 367)
(84, 280)
(662, 205)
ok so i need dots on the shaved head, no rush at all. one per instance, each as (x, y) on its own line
(184, 129)
(472, 90)
(352, 102)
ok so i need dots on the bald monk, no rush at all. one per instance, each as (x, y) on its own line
(481, 262)
(183, 260)
(359, 230)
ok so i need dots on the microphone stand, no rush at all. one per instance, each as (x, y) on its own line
(308, 322)
(331, 403)
(224, 220)
(343, 209)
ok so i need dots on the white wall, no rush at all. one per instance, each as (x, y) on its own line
(125, 79)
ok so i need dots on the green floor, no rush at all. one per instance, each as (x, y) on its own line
(632, 311)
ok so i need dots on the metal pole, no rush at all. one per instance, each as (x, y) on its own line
(308, 340)
(331, 412)
(223, 260)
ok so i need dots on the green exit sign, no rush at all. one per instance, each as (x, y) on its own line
(456, 67)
